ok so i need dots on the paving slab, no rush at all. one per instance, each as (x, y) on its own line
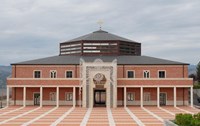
(122, 118)
(173, 109)
(51, 117)
(190, 109)
(145, 117)
(159, 112)
(98, 116)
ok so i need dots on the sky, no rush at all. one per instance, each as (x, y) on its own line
(32, 29)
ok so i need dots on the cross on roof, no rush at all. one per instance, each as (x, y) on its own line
(100, 22)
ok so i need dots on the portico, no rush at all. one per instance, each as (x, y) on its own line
(158, 102)
(99, 75)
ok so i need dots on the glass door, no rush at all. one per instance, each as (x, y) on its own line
(163, 98)
(36, 98)
(99, 97)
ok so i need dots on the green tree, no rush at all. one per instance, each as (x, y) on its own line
(198, 72)
(193, 76)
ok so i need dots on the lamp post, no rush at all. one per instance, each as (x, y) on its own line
(1, 93)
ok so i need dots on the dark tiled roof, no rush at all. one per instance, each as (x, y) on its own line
(126, 60)
(100, 35)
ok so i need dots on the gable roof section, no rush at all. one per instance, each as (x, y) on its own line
(100, 35)
(121, 60)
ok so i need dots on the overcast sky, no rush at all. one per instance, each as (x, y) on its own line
(31, 29)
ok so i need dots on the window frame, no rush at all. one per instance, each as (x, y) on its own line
(67, 98)
(131, 94)
(162, 71)
(147, 94)
(69, 71)
(52, 98)
(54, 73)
(38, 71)
(144, 72)
(130, 71)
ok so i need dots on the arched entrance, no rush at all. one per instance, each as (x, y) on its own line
(99, 83)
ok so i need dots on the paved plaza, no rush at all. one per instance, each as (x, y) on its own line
(98, 116)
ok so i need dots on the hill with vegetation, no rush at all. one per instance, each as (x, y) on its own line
(5, 71)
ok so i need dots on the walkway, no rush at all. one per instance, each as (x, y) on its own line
(99, 116)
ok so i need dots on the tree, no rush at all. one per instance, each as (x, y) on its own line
(193, 76)
(198, 72)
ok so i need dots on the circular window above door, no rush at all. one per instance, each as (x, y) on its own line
(99, 78)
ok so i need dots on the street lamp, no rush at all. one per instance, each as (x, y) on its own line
(1, 93)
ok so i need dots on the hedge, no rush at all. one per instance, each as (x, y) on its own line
(187, 119)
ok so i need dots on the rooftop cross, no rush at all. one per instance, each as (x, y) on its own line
(100, 22)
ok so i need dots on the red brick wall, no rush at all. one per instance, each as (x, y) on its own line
(120, 93)
(47, 82)
(172, 71)
(46, 93)
(18, 94)
(154, 82)
(169, 91)
(182, 93)
(26, 71)
(120, 72)
(77, 94)
(30, 92)
(137, 92)
(153, 93)
(13, 71)
(62, 92)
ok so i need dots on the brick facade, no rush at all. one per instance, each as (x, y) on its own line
(175, 74)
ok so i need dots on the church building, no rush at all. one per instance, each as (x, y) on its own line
(100, 69)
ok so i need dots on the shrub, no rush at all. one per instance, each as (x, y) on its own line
(195, 122)
(183, 119)
(197, 116)
(187, 119)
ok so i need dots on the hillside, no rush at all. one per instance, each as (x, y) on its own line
(5, 71)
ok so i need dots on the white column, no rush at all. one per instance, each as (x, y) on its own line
(7, 96)
(191, 96)
(80, 97)
(141, 96)
(74, 96)
(24, 97)
(174, 96)
(41, 96)
(158, 96)
(57, 96)
(125, 97)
